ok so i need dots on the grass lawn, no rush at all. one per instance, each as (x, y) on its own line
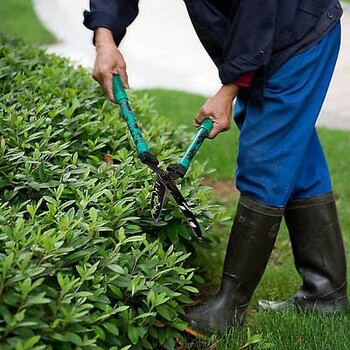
(284, 330)
(18, 18)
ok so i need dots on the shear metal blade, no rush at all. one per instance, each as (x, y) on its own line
(158, 197)
(168, 183)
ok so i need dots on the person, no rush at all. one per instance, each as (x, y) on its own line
(276, 57)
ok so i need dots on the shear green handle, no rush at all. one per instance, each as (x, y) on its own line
(203, 131)
(129, 116)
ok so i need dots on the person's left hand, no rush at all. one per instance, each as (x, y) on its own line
(219, 109)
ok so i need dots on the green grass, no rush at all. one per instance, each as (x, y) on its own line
(19, 19)
(286, 330)
(289, 331)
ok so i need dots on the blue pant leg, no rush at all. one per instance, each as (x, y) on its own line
(313, 177)
(275, 135)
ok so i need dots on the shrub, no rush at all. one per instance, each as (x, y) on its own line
(82, 266)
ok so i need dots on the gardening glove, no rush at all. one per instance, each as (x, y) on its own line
(109, 61)
(219, 109)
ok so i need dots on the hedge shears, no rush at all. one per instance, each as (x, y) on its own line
(165, 178)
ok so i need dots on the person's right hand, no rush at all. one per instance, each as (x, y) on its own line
(109, 61)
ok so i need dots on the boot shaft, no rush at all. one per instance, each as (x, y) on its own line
(252, 239)
(318, 247)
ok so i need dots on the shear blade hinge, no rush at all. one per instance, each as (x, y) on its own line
(176, 171)
(148, 158)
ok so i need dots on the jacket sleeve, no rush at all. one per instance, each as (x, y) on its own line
(250, 37)
(238, 38)
(115, 15)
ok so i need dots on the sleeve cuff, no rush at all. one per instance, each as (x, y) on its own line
(232, 70)
(245, 80)
(98, 19)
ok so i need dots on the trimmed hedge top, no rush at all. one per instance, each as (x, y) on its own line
(82, 266)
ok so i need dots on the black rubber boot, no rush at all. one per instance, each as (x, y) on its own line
(252, 238)
(318, 254)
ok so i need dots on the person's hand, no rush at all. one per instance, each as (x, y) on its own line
(219, 109)
(109, 61)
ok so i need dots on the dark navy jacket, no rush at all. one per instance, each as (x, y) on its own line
(239, 35)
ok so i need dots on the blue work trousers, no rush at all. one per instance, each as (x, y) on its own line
(280, 156)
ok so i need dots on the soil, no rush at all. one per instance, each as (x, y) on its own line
(224, 190)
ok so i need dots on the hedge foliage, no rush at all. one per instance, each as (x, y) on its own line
(82, 266)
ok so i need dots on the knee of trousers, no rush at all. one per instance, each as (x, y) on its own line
(263, 177)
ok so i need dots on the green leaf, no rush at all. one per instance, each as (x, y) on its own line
(191, 289)
(169, 344)
(38, 299)
(75, 158)
(31, 342)
(145, 315)
(166, 312)
(60, 280)
(121, 308)
(93, 214)
(116, 291)
(133, 334)
(73, 338)
(116, 268)
(50, 200)
(180, 325)
(111, 328)
(35, 185)
(19, 316)
(25, 286)
(99, 332)
(121, 234)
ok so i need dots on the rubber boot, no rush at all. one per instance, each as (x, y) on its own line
(252, 238)
(319, 256)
